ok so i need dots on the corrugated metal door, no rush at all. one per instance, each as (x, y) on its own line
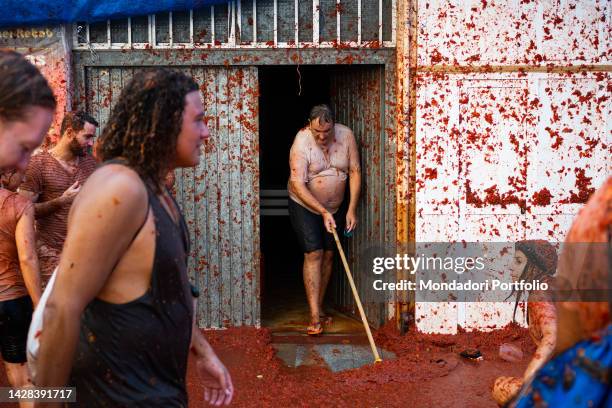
(357, 96)
(220, 197)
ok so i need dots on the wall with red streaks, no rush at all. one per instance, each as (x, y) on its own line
(511, 140)
(55, 68)
(46, 48)
(508, 32)
(220, 199)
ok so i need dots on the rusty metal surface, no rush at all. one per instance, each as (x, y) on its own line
(174, 57)
(358, 97)
(220, 197)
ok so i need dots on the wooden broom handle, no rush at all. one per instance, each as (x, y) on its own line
(377, 358)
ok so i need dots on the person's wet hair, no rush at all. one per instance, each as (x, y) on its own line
(76, 121)
(541, 263)
(5, 175)
(21, 86)
(145, 122)
(323, 113)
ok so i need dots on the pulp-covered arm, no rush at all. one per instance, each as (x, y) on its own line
(51, 206)
(105, 216)
(354, 183)
(219, 389)
(544, 314)
(25, 238)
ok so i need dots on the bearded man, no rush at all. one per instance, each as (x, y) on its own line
(52, 180)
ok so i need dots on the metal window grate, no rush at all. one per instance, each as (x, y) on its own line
(202, 32)
(180, 27)
(286, 21)
(349, 20)
(139, 27)
(250, 24)
(162, 28)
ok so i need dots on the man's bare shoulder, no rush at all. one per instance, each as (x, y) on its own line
(302, 137)
(342, 131)
(303, 133)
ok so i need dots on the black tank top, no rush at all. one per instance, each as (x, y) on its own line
(135, 354)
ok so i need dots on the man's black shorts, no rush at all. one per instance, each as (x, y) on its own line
(15, 318)
(309, 228)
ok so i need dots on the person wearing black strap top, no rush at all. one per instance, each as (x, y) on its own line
(118, 324)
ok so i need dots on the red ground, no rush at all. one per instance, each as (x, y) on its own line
(427, 373)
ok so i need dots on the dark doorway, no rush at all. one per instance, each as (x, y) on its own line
(287, 94)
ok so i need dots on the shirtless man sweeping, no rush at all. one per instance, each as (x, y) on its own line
(322, 157)
(52, 180)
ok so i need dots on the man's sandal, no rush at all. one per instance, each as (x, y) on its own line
(314, 329)
(327, 320)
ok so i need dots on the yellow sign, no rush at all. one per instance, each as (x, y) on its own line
(27, 33)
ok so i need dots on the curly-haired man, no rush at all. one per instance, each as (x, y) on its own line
(119, 322)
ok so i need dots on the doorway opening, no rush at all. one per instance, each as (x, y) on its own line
(287, 94)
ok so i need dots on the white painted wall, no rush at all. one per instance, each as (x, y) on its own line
(522, 132)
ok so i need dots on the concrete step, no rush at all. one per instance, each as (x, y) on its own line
(336, 357)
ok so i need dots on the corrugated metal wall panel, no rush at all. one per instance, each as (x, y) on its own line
(357, 98)
(219, 197)
(250, 197)
(390, 174)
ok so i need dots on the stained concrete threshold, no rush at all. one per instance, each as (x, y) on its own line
(336, 357)
(343, 345)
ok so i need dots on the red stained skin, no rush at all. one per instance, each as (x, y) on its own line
(542, 317)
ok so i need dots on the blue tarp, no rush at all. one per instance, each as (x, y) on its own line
(18, 13)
